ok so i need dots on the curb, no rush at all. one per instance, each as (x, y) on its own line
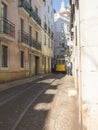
(11, 84)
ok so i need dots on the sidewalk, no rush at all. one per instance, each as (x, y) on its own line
(11, 84)
(64, 110)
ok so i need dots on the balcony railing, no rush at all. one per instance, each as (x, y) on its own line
(35, 16)
(23, 37)
(52, 35)
(7, 27)
(24, 4)
(48, 30)
(26, 39)
(45, 26)
(35, 44)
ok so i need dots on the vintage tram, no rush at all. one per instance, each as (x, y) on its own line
(60, 65)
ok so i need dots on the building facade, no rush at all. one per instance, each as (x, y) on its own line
(61, 32)
(20, 39)
(84, 31)
(47, 35)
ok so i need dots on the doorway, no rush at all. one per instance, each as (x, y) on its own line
(36, 65)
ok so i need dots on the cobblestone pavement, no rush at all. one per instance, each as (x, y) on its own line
(19, 82)
(64, 109)
(56, 109)
(49, 103)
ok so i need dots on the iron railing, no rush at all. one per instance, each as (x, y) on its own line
(48, 30)
(35, 16)
(7, 27)
(25, 4)
(28, 40)
(52, 35)
(45, 26)
(23, 37)
(36, 45)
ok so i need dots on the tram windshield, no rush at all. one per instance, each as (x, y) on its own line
(60, 61)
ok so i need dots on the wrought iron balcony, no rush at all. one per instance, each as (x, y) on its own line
(24, 4)
(7, 27)
(35, 16)
(23, 37)
(36, 44)
(52, 35)
(45, 26)
(48, 30)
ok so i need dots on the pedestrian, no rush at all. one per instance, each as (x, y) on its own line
(69, 68)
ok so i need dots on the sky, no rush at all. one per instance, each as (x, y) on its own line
(57, 4)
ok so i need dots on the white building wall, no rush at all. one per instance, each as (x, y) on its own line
(59, 19)
(89, 60)
(86, 62)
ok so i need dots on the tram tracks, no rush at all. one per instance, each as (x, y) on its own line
(20, 103)
(28, 106)
(8, 95)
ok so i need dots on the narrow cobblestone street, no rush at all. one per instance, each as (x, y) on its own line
(49, 103)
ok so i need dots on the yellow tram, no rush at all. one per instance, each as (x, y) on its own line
(60, 65)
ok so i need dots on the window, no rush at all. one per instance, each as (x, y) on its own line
(4, 56)
(21, 29)
(30, 31)
(22, 59)
(45, 39)
(4, 10)
(30, 35)
(36, 33)
(21, 24)
(36, 10)
(4, 15)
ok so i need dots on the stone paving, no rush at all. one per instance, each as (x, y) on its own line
(64, 109)
(55, 109)
(11, 84)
